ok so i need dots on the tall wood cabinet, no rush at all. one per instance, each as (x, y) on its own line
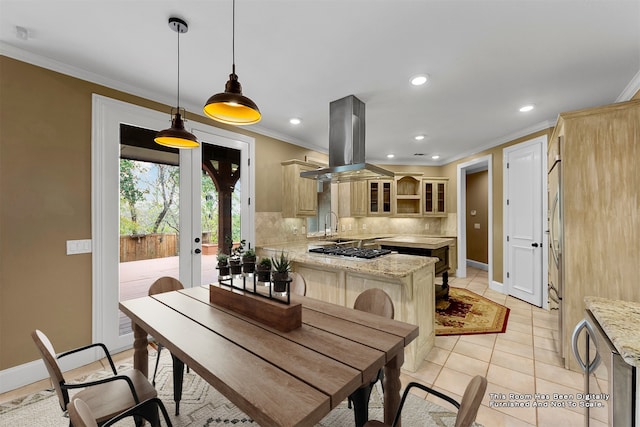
(600, 149)
(299, 195)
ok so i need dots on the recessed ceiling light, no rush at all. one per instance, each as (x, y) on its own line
(390, 156)
(435, 157)
(526, 108)
(420, 79)
(295, 121)
(418, 137)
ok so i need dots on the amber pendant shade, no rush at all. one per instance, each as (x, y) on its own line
(176, 136)
(231, 107)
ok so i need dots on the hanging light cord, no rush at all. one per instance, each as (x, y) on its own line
(233, 36)
(178, 70)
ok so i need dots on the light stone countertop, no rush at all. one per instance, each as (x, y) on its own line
(619, 320)
(417, 241)
(392, 265)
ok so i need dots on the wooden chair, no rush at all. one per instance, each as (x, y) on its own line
(106, 397)
(467, 408)
(160, 286)
(375, 301)
(81, 416)
(298, 285)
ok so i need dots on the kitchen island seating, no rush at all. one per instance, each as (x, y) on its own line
(374, 301)
(161, 285)
(106, 397)
(81, 416)
(467, 408)
(298, 284)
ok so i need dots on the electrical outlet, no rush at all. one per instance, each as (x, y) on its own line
(304, 230)
(343, 227)
(476, 226)
(364, 226)
(295, 230)
(349, 227)
(426, 225)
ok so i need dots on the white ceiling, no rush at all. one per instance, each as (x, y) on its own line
(293, 57)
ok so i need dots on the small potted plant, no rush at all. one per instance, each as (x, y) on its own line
(235, 260)
(249, 261)
(263, 269)
(223, 264)
(281, 269)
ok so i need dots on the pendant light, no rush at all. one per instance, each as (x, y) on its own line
(230, 106)
(177, 136)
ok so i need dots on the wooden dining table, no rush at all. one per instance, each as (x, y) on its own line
(277, 378)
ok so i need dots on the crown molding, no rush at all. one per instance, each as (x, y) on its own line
(632, 88)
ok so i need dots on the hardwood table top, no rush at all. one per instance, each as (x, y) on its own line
(277, 378)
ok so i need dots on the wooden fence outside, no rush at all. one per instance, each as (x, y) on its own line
(148, 246)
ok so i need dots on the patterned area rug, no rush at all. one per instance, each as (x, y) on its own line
(203, 406)
(467, 313)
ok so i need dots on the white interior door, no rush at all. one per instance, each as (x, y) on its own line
(524, 212)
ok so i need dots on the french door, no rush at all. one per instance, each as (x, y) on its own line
(108, 117)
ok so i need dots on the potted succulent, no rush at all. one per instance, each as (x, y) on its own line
(263, 269)
(235, 260)
(223, 264)
(281, 269)
(249, 261)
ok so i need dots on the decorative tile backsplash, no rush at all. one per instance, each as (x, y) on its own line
(271, 227)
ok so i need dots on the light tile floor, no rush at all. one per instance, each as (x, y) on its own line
(520, 361)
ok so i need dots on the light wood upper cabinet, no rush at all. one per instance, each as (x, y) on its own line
(435, 196)
(299, 195)
(352, 199)
(408, 195)
(380, 197)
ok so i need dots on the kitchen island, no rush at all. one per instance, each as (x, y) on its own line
(408, 279)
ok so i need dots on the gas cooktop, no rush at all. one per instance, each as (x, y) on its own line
(365, 253)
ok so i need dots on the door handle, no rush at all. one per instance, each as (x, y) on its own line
(535, 245)
(197, 251)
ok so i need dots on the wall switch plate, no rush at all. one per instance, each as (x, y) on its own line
(78, 247)
(343, 227)
(364, 226)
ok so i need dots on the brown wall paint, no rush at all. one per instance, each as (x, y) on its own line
(45, 199)
(477, 238)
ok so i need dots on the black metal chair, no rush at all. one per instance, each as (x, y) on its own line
(81, 416)
(467, 408)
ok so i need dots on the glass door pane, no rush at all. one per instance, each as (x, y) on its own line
(149, 214)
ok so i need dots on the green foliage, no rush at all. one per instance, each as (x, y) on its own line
(222, 259)
(265, 263)
(249, 253)
(281, 264)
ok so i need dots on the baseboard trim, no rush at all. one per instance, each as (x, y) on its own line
(478, 265)
(28, 373)
(497, 286)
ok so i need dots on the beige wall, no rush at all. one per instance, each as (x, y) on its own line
(45, 199)
(477, 238)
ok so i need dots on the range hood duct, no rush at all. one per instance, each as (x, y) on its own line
(347, 145)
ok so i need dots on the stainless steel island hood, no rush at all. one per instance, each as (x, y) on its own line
(347, 145)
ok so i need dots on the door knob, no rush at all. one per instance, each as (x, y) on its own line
(535, 245)
(197, 240)
(197, 251)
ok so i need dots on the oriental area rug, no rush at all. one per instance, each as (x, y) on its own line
(203, 406)
(466, 313)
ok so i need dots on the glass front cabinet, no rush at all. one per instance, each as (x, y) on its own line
(380, 196)
(435, 196)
